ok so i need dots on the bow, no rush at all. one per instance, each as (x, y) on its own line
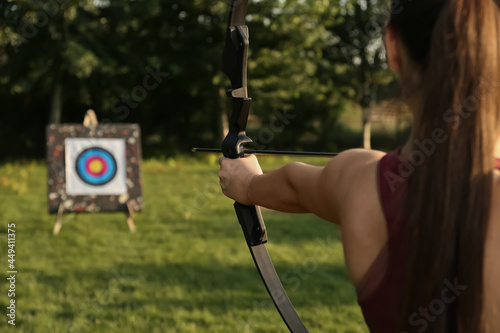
(235, 67)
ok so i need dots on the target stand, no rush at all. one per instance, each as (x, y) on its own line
(94, 168)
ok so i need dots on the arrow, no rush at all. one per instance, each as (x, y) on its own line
(268, 152)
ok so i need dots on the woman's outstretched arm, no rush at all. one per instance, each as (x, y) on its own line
(296, 187)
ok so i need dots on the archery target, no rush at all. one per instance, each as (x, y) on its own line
(95, 166)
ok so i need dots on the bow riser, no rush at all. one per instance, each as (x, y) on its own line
(235, 60)
(233, 144)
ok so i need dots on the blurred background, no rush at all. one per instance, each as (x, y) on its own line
(321, 61)
(319, 81)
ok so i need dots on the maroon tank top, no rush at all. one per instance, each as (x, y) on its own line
(380, 291)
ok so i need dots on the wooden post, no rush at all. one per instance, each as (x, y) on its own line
(58, 225)
(130, 220)
(90, 119)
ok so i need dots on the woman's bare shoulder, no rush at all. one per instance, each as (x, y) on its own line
(350, 173)
(368, 155)
(353, 164)
(363, 226)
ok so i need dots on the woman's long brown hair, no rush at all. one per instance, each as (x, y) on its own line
(454, 90)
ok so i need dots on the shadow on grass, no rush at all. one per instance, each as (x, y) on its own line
(281, 228)
(215, 287)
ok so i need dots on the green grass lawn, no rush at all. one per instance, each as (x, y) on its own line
(186, 269)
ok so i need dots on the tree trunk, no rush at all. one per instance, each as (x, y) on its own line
(223, 123)
(56, 104)
(370, 101)
(367, 131)
(497, 150)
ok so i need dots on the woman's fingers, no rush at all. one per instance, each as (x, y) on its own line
(235, 176)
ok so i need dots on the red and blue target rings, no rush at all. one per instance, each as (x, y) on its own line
(96, 166)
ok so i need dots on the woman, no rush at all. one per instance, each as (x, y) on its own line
(421, 225)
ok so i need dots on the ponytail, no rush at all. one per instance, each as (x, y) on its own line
(449, 198)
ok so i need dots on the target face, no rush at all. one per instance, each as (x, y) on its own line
(95, 166)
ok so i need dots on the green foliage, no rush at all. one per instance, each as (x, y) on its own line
(186, 269)
(312, 59)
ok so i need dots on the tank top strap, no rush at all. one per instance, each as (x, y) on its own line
(393, 176)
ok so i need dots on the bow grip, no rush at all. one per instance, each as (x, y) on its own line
(251, 222)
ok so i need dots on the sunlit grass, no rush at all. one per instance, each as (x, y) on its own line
(186, 269)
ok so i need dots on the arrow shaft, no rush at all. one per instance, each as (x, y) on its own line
(269, 152)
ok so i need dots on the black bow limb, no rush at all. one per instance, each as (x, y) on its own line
(235, 67)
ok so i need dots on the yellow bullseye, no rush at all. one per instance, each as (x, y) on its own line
(96, 166)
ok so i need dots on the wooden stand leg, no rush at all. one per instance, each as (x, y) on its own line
(130, 221)
(58, 225)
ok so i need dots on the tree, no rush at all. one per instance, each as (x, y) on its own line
(158, 63)
(357, 48)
